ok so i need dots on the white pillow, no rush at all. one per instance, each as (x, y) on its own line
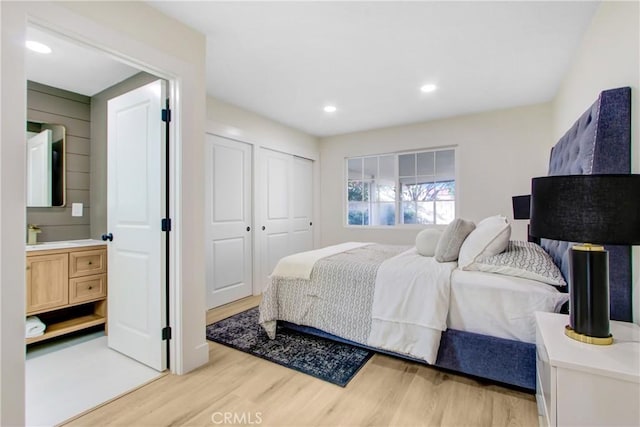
(427, 240)
(490, 237)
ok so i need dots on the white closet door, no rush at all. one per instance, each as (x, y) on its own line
(286, 189)
(228, 227)
(276, 206)
(302, 205)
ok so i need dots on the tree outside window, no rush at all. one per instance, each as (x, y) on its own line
(426, 183)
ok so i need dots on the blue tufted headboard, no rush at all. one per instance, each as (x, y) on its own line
(599, 143)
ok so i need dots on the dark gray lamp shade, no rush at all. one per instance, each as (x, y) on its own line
(521, 206)
(601, 209)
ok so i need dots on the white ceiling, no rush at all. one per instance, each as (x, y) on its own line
(286, 60)
(71, 66)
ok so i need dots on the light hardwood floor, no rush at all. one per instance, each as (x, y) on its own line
(250, 391)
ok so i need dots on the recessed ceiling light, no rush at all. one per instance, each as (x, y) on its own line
(330, 109)
(428, 88)
(37, 47)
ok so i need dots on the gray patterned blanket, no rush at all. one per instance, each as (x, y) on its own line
(337, 299)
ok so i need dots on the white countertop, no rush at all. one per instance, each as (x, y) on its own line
(620, 359)
(65, 244)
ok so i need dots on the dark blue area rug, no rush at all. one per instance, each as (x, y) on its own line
(328, 360)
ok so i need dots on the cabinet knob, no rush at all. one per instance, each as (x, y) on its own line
(264, 228)
(90, 263)
(90, 287)
(248, 228)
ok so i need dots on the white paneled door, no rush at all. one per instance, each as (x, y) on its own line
(286, 201)
(135, 197)
(302, 205)
(228, 225)
(39, 169)
(275, 224)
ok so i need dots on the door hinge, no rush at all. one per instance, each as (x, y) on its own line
(166, 224)
(166, 115)
(166, 333)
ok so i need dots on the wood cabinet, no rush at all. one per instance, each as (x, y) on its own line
(587, 385)
(47, 282)
(67, 289)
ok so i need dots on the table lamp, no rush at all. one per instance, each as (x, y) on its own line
(598, 209)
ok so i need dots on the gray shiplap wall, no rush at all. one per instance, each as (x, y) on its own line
(72, 110)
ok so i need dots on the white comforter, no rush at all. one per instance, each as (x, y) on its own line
(301, 264)
(410, 305)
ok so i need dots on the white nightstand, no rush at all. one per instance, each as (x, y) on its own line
(583, 384)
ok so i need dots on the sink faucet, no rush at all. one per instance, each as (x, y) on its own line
(33, 231)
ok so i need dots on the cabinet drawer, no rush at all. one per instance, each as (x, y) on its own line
(588, 399)
(87, 288)
(86, 263)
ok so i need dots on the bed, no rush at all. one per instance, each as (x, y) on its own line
(482, 322)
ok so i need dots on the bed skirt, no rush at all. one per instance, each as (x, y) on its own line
(505, 361)
(498, 359)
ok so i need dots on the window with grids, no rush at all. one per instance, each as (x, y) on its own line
(401, 188)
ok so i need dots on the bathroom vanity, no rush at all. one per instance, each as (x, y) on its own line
(67, 285)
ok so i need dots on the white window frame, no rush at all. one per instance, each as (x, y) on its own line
(398, 195)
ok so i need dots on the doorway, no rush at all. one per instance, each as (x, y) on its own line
(91, 372)
(146, 38)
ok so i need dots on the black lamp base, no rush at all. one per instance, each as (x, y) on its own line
(589, 289)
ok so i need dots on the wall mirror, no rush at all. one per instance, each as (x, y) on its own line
(45, 165)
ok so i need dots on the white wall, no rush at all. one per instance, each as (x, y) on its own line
(12, 216)
(227, 120)
(497, 154)
(159, 45)
(608, 57)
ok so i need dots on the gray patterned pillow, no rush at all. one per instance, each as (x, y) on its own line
(522, 259)
(452, 239)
